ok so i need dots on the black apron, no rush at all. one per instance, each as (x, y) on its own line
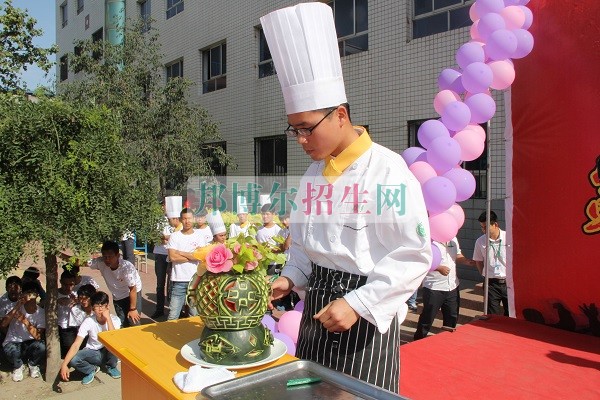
(361, 351)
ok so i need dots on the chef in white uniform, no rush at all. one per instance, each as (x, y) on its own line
(360, 234)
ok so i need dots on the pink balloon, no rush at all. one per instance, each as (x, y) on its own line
(469, 53)
(441, 100)
(443, 154)
(474, 30)
(490, 23)
(513, 16)
(443, 227)
(422, 171)
(430, 130)
(524, 43)
(473, 13)
(488, 6)
(471, 144)
(477, 77)
(289, 343)
(468, 94)
(528, 16)
(456, 116)
(439, 194)
(436, 258)
(504, 74)
(289, 324)
(450, 79)
(458, 213)
(413, 154)
(482, 107)
(478, 130)
(501, 44)
(463, 181)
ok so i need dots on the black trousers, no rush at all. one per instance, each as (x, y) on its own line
(361, 351)
(497, 294)
(160, 268)
(433, 300)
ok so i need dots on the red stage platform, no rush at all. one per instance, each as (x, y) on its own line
(502, 358)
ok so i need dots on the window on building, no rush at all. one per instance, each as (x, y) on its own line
(97, 36)
(79, 6)
(436, 16)
(64, 14)
(64, 68)
(145, 13)
(174, 7)
(214, 68)
(352, 25)
(265, 61)
(270, 158)
(477, 167)
(77, 52)
(174, 69)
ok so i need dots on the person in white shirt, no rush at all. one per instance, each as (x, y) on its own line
(202, 226)
(161, 264)
(24, 340)
(495, 252)
(9, 299)
(67, 299)
(89, 359)
(441, 289)
(360, 232)
(243, 224)
(181, 246)
(123, 281)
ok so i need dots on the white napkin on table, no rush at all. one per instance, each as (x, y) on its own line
(197, 378)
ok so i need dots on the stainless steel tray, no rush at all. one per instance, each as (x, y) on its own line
(271, 384)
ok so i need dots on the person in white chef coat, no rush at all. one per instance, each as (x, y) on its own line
(360, 234)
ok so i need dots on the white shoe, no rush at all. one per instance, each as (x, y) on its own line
(34, 371)
(17, 374)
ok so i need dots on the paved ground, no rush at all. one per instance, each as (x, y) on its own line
(105, 387)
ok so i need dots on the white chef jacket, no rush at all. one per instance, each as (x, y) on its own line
(445, 283)
(391, 245)
(496, 253)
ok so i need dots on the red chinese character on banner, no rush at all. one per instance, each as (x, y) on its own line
(352, 196)
(321, 196)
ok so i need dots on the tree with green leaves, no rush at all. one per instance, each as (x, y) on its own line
(66, 181)
(17, 32)
(173, 138)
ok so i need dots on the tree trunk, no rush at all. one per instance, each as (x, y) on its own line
(52, 341)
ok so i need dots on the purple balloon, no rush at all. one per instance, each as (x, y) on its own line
(463, 182)
(488, 6)
(456, 116)
(443, 154)
(469, 53)
(524, 43)
(430, 130)
(299, 306)
(270, 323)
(512, 2)
(289, 343)
(490, 23)
(528, 17)
(437, 257)
(477, 77)
(482, 107)
(413, 154)
(439, 194)
(450, 79)
(501, 44)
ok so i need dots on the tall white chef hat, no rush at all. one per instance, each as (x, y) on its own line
(304, 47)
(173, 206)
(215, 222)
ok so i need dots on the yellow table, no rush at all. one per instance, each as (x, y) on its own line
(150, 357)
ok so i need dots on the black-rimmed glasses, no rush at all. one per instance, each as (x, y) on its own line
(304, 132)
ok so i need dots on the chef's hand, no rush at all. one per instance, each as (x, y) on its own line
(337, 316)
(280, 288)
(444, 270)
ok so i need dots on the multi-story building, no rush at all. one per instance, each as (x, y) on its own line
(392, 53)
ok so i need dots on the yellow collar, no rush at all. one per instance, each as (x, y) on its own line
(244, 224)
(334, 167)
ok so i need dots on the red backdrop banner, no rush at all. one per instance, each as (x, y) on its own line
(556, 189)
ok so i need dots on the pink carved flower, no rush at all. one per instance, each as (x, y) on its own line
(219, 259)
(236, 248)
(257, 255)
(250, 265)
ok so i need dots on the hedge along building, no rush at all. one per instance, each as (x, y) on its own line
(392, 54)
